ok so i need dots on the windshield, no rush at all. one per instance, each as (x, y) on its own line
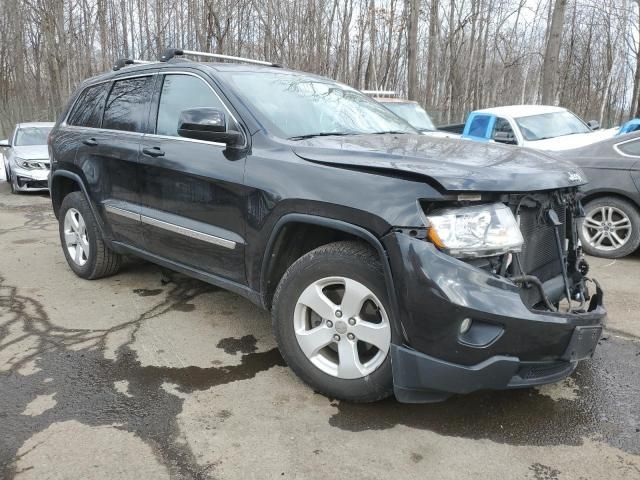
(296, 105)
(551, 125)
(32, 136)
(412, 113)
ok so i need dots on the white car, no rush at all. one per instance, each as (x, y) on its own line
(535, 126)
(26, 160)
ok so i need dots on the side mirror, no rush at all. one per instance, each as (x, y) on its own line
(505, 137)
(208, 124)
(593, 124)
(5, 143)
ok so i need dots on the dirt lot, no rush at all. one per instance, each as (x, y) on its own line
(150, 374)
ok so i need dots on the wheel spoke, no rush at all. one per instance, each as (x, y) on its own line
(69, 238)
(314, 340)
(82, 228)
(616, 240)
(78, 254)
(596, 240)
(350, 365)
(623, 223)
(377, 334)
(314, 298)
(609, 214)
(74, 223)
(355, 295)
(85, 246)
(591, 222)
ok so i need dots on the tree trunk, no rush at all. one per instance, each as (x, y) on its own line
(552, 54)
(412, 48)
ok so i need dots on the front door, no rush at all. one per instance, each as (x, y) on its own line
(191, 191)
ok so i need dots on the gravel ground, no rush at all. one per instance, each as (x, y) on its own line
(150, 374)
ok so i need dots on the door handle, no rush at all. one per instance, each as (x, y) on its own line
(153, 152)
(90, 142)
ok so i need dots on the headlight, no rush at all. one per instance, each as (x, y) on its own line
(31, 164)
(477, 231)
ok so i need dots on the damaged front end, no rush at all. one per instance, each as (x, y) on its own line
(550, 267)
(493, 300)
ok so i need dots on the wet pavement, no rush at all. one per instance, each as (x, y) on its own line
(150, 374)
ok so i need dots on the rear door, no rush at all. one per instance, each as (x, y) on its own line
(112, 152)
(191, 191)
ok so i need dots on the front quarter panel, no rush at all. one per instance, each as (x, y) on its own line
(281, 183)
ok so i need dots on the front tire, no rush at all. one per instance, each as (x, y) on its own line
(611, 228)
(84, 248)
(331, 319)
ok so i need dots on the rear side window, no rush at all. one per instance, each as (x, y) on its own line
(87, 112)
(479, 125)
(630, 148)
(127, 105)
(182, 92)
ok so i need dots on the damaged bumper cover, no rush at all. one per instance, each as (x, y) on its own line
(507, 345)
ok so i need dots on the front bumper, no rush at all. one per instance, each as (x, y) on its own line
(508, 344)
(25, 180)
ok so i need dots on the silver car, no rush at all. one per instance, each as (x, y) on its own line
(26, 159)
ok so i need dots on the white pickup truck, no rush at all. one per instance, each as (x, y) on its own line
(534, 126)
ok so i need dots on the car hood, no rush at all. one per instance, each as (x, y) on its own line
(456, 165)
(567, 142)
(32, 152)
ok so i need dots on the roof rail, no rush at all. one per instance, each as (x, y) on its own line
(125, 62)
(380, 93)
(169, 53)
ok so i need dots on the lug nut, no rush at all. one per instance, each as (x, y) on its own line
(329, 323)
(338, 313)
(336, 337)
(351, 336)
(352, 321)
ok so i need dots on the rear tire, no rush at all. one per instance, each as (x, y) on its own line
(349, 368)
(84, 248)
(611, 228)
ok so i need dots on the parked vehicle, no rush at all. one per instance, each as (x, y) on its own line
(611, 227)
(534, 126)
(390, 260)
(26, 160)
(409, 111)
(631, 126)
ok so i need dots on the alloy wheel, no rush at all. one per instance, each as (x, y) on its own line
(342, 327)
(607, 228)
(75, 237)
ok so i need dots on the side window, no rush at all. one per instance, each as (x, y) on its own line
(630, 148)
(87, 112)
(182, 92)
(503, 126)
(479, 125)
(126, 107)
(503, 133)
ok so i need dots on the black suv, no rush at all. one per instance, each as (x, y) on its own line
(391, 261)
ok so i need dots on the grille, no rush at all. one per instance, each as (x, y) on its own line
(530, 372)
(539, 255)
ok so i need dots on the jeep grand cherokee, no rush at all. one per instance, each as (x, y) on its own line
(390, 261)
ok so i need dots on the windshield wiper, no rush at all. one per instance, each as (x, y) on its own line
(321, 134)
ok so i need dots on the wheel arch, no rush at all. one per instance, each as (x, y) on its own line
(63, 182)
(601, 193)
(275, 263)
